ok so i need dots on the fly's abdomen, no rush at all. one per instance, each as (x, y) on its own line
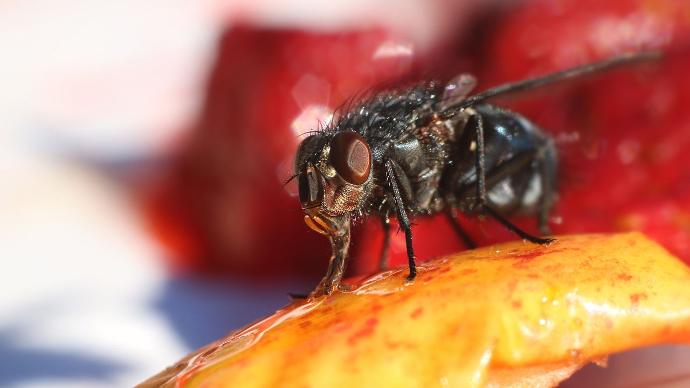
(520, 164)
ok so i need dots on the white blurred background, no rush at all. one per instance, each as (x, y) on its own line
(108, 82)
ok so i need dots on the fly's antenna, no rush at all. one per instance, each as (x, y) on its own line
(564, 75)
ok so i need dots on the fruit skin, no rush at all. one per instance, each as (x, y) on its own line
(500, 313)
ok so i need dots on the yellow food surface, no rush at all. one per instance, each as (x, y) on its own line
(514, 313)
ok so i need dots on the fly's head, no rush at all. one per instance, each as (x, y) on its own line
(334, 177)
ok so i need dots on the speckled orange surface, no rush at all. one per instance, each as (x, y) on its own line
(505, 314)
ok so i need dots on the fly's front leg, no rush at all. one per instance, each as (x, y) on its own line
(404, 221)
(386, 225)
(482, 201)
(340, 243)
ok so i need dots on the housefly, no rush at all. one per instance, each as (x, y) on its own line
(428, 149)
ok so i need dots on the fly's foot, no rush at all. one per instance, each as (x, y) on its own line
(542, 240)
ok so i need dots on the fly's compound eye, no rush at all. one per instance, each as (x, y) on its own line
(310, 188)
(351, 157)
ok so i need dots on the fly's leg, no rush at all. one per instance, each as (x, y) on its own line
(462, 234)
(404, 221)
(481, 184)
(515, 229)
(386, 225)
(547, 168)
(480, 161)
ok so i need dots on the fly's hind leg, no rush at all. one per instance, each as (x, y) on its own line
(547, 171)
(451, 216)
(477, 121)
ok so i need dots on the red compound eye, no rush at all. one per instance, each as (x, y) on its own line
(351, 157)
